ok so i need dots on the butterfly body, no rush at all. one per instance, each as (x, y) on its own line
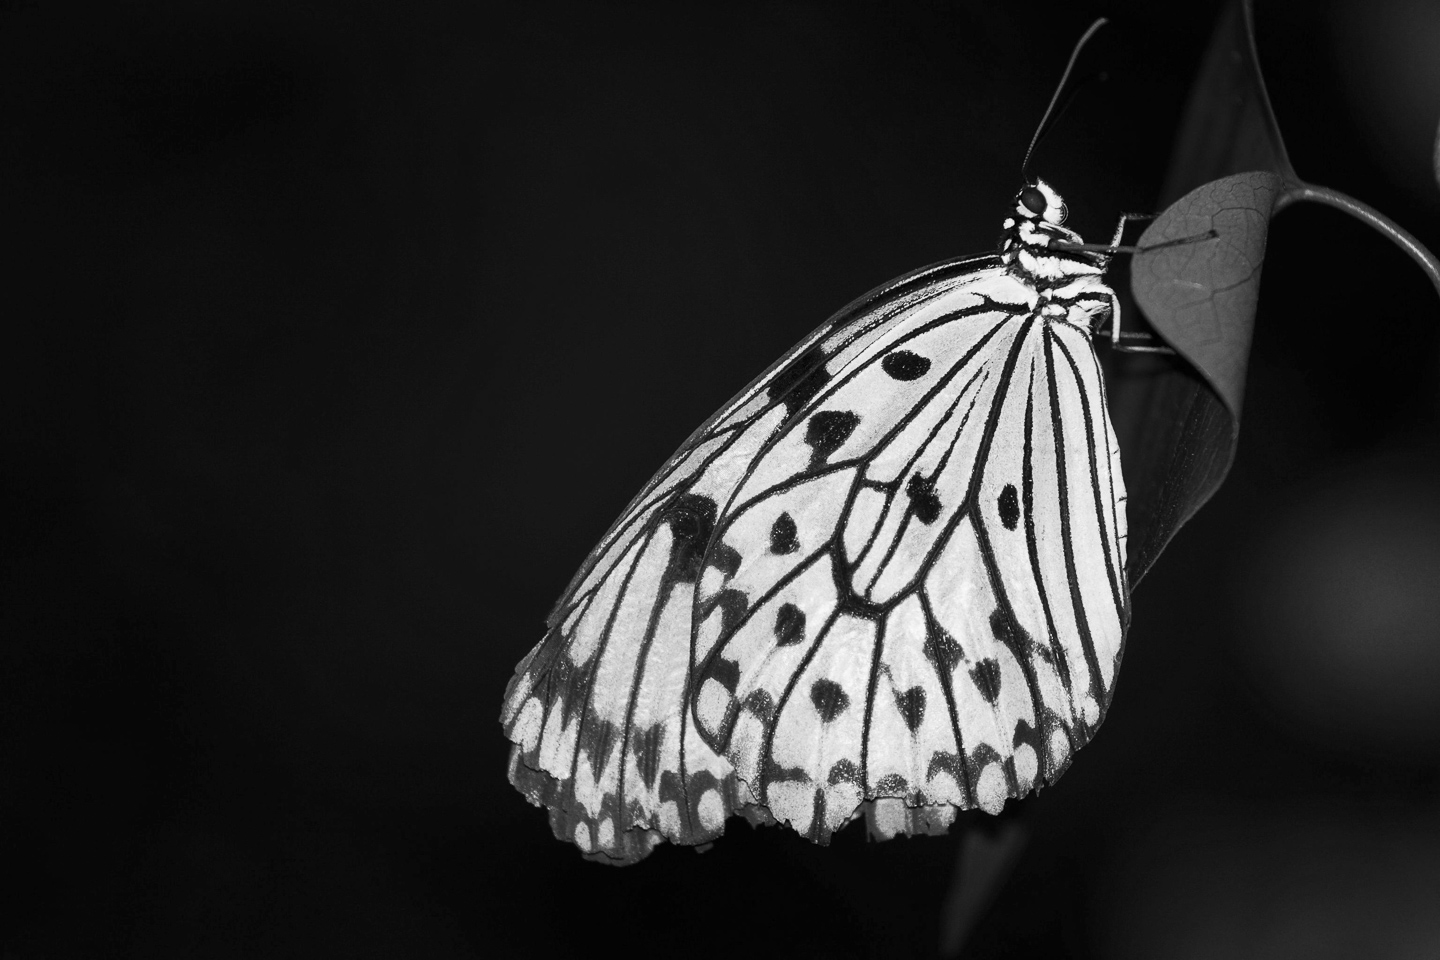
(888, 575)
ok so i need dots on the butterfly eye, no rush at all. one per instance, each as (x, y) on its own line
(1033, 200)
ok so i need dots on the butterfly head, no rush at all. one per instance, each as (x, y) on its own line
(1038, 201)
(1036, 244)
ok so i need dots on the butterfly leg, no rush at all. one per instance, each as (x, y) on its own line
(1124, 340)
(1125, 219)
(1116, 336)
(1115, 333)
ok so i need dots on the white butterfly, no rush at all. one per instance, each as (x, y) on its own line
(888, 576)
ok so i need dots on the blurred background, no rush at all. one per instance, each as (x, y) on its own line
(339, 334)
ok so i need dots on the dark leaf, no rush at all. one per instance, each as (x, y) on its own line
(1178, 419)
(1197, 280)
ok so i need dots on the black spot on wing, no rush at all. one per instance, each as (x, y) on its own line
(843, 772)
(1026, 734)
(1009, 506)
(774, 773)
(892, 785)
(725, 671)
(789, 625)
(725, 558)
(732, 605)
(783, 535)
(981, 756)
(941, 649)
(691, 518)
(570, 683)
(923, 500)
(943, 761)
(761, 704)
(986, 675)
(911, 704)
(828, 430)
(829, 698)
(645, 746)
(1015, 637)
(597, 739)
(798, 383)
(904, 365)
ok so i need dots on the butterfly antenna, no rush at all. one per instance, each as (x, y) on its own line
(1059, 89)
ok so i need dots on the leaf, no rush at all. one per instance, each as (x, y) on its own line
(1196, 277)
(1178, 419)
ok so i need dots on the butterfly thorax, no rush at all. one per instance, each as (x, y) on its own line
(1068, 284)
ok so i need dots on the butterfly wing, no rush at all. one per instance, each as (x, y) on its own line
(599, 711)
(916, 593)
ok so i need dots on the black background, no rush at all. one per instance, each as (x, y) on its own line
(337, 336)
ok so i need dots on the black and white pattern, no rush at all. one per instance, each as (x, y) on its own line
(888, 576)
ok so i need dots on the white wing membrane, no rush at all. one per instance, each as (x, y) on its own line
(599, 712)
(916, 595)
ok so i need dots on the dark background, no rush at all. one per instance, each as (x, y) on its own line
(337, 336)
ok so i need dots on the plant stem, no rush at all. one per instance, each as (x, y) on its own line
(1296, 192)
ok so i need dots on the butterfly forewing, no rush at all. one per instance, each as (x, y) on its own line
(599, 711)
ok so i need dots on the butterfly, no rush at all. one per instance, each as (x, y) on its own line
(887, 578)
